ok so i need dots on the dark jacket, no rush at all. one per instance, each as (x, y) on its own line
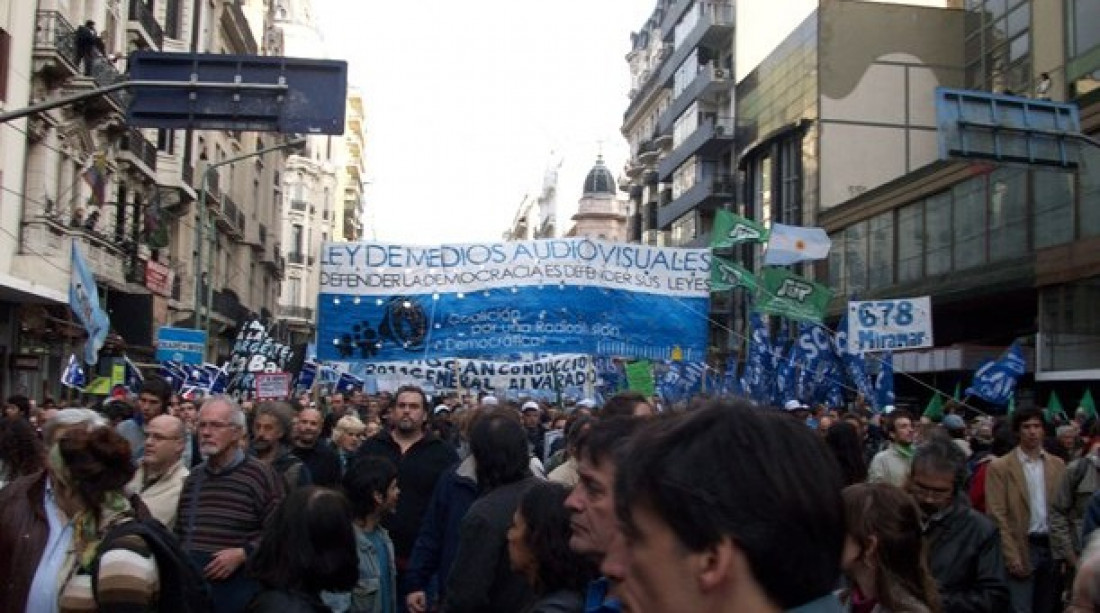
(286, 601)
(292, 469)
(24, 531)
(437, 543)
(418, 469)
(964, 553)
(482, 578)
(324, 466)
(561, 601)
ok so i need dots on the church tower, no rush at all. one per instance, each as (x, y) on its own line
(600, 213)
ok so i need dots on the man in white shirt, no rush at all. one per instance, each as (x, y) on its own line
(1019, 489)
(160, 476)
(891, 465)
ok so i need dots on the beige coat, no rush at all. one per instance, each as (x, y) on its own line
(1006, 501)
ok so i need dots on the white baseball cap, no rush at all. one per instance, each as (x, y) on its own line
(490, 401)
(531, 405)
(440, 409)
(795, 405)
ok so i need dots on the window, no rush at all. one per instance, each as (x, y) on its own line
(1007, 213)
(1082, 35)
(911, 242)
(684, 229)
(1053, 200)
(5, 59)
(881, 255)
(855, 258)
(969, 223)
(937, 223)
(296, 239)
(1090, 193)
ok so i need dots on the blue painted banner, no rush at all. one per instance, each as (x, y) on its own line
(182, 345)
(385, 302)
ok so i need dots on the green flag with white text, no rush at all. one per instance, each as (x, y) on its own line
(730, 230)
(788, 295)
(639, 377)
(726, 274)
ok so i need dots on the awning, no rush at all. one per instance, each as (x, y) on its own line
(22, 291)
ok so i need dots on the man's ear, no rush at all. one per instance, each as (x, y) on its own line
(719, 564)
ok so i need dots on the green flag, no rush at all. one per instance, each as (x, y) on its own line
(1088, 404)
(730, 229)
(726, 274)
(934, 410)
(789, 295)
(1012, 404)
(1054, 408)
(639, 377)
(958, 391)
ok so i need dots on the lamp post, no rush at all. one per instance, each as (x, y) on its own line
(202, 299)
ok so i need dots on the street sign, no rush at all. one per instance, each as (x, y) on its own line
(182, 345)
(983, 125)
(194, 90)
(895, 325)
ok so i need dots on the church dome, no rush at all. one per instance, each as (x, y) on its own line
(599, 180)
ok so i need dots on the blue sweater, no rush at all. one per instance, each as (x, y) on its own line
(437, 542)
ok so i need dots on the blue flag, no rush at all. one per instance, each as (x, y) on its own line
(348, 383)
(731, 383)
(84, 302)
(884, 382)
(854, 363)
(995, 381)
(133, 376)
(174, 373)
(73, 375)
(756, 381)
(307, 375)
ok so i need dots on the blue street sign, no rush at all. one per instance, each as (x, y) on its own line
(194, 90)
(182, 345)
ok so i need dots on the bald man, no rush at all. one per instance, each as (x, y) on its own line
(315, 452)
(160, 475)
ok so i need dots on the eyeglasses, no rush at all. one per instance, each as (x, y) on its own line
(215, 425)
(156, 436)
(928, 493)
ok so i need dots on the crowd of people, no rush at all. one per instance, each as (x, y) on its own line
(385, 503)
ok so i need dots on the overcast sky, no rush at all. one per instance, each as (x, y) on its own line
(466, 101)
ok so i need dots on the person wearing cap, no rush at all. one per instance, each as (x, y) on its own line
(891, 465)
(489, 400)
(799, 411)
(536, 432)
(956, 427)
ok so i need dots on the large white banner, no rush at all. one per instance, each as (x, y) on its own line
(549, 374)
(896, 325)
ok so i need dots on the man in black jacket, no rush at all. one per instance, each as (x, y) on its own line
(420, 458)
(964, 549)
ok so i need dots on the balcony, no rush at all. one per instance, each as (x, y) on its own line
(647, 153)
(708, 86)
(143, 25)
(714, 135)
(294, 312)
(138, 152)
(299, 205)
(296, 258)
(706, 194)
(102, 73)
(54, 48)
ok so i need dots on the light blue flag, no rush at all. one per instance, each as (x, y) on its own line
(995, 381)
(84, 302)
(73, 375)
(793, 244)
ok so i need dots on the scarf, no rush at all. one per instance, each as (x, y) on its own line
(88, 531)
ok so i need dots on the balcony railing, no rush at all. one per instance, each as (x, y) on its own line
(296, 258)
(296, 312)
(140, 13)
(135, 142)
(104, 73)
(299, 205)
(53, 33)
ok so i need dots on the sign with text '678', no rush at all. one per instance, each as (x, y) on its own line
(896, 325)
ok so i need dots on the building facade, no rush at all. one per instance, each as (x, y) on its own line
(1007, 252)
(127, 197)
(537, 214)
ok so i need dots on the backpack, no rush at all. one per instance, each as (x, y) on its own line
(183, 589)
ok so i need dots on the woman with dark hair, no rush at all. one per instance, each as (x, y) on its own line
(884, 557)
(88, 471)
(308, 547)
(842, 438)
(18, 406)
(371, 486)
(538, 548)
(481, 578)
(21, 451)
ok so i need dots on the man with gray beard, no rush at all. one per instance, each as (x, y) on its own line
(421, 458)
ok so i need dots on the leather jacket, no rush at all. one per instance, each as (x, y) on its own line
(24, 531)
(964, 553)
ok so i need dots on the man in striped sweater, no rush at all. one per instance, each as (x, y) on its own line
(226, 502)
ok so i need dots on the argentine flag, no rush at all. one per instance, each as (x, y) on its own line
(74, 376)
(792, 244)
